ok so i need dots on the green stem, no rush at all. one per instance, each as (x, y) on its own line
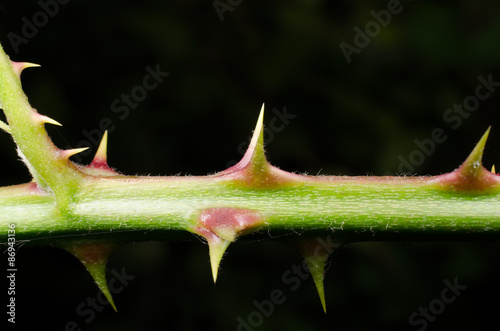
(357, 208)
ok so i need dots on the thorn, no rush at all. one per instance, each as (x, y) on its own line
(255, 155)
(254, 160)
(20, 66)
(493, 169)
(217, 246)
(100, 158)
(317, 269)
(94, 257)
(316, 253)
(70, 152)
(253, 170)
(221, 226)
(471, 176)
(44, 119)
(473, 164)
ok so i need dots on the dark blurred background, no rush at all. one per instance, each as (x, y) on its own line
(356, 117)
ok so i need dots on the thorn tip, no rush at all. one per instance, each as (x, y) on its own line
(100, 158)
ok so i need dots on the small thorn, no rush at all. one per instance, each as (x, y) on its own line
(254, 158)
(493, 169)
(70, 152)
(20, 66)
(473, 164)
(253, 170)
(471, 176)
(316, 253)
(100, 158)
(94, 257)
(221, 226)
(44, 119)
(255, 154)
(217, 246)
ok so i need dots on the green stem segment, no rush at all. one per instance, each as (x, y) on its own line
(385, 208)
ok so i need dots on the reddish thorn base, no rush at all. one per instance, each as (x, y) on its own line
(226, 223)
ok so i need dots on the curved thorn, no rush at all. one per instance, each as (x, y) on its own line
(45, 119)
(98, 273)
(70, 152)
(94, 257)
(255, 154)
(472, 164)
(471, 176)
(20, 66)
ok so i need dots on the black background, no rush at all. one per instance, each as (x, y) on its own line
(351, 119)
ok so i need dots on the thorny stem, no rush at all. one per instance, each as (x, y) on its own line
(86, 208)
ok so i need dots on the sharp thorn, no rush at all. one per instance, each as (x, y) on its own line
(45, 119)
(471, 176)
(20, 66)
(317, 269)
(217, 246)
(70, 152)
(94, 257)
(493, 169)
(316, 255)
(255, 153)
(98, 273)
(473, 164)
(100, 158)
